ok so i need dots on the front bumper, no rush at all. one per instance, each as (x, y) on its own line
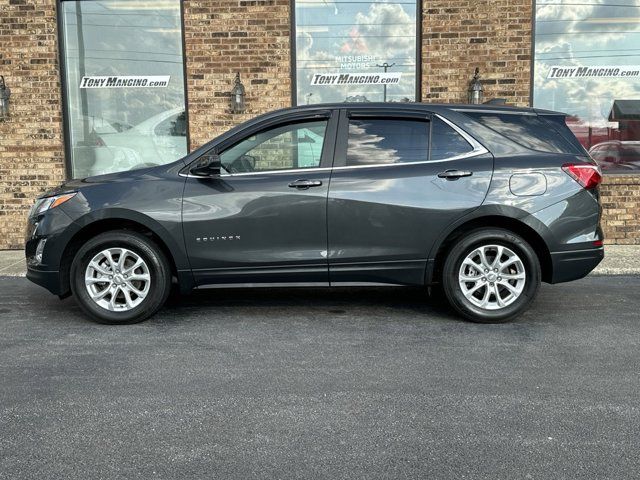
(574, 264)
(57, 228)
(49, 279)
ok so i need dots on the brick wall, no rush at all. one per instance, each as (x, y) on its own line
(229, 36)
(31, 149)
(252, 37)
(621, 209)
(460, 35)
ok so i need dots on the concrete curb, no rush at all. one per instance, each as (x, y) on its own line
(618, 260)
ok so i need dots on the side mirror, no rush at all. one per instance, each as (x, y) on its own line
(206, 166)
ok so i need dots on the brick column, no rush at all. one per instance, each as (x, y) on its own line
(460, 35)
(31, 148)
(621, 209)
(229, 36)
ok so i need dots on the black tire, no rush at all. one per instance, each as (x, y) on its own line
(463, 247)
(147, 250)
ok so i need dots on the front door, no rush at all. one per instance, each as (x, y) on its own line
(264, 220)
(399, 179)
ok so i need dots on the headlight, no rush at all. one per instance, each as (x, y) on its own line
(44, 204)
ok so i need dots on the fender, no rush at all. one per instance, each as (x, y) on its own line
(172, 239)
(489, 211)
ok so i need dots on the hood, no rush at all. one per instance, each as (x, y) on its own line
(78, 184)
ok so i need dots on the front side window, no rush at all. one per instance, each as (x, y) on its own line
(125, 105)
(282, 148)
(355, 51)
(587, 64)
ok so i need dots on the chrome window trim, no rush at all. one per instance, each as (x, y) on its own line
(477, 149)
(268, 172)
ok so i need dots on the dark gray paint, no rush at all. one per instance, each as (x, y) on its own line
(372, 224)
(528, 184)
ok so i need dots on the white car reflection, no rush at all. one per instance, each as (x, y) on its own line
(157, 140)
(617, 155)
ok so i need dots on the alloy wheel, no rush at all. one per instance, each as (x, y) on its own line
(117, 279)
(492, 277)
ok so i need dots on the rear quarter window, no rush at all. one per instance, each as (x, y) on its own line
(530, 131)
(446, 142)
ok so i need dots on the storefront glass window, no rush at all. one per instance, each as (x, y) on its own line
(124, 84)
(587, 64)
(356, 51)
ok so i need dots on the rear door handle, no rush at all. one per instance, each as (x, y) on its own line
(304, 184)
(453, 174)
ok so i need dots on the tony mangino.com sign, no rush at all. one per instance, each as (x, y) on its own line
(598, 71)
(128, 81)
(356, 78)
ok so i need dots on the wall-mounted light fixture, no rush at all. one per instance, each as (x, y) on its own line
(5, 93)
(476, 93)
(237, 96)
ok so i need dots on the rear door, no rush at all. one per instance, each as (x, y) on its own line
(398, 180)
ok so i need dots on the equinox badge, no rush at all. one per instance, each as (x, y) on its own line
(216, 238)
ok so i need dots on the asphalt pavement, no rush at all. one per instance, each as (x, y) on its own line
(319, 383)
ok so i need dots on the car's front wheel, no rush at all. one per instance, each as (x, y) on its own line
(491, 275)
(120, 277)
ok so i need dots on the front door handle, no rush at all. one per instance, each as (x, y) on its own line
(454, 174)
(304, 184)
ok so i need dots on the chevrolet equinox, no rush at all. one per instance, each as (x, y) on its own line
(481, 202)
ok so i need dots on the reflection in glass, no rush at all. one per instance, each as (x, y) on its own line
(379, 141)
(446, 142)
(114, 128)
(343, 37)
(579, 39)
(281, 148)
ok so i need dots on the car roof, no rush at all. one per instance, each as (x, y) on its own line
(414, 106)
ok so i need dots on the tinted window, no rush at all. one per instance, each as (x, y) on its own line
(446, 142)
(281, 148)
(558, 122)
(376, 141)
(527, 130)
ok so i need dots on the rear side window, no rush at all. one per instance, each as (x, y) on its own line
(387, 141)
(446, 142)
(560, 125)
(529, 131)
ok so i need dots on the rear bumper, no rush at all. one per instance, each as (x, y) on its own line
(49, 279)
(574, 264)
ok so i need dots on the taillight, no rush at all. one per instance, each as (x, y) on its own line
(587, 175)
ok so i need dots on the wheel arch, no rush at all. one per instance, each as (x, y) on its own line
(525, 227)
(118, 219)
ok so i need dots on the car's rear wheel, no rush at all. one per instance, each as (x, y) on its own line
(491, 275)
(120, 277)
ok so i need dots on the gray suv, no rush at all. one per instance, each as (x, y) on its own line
(480, 202)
